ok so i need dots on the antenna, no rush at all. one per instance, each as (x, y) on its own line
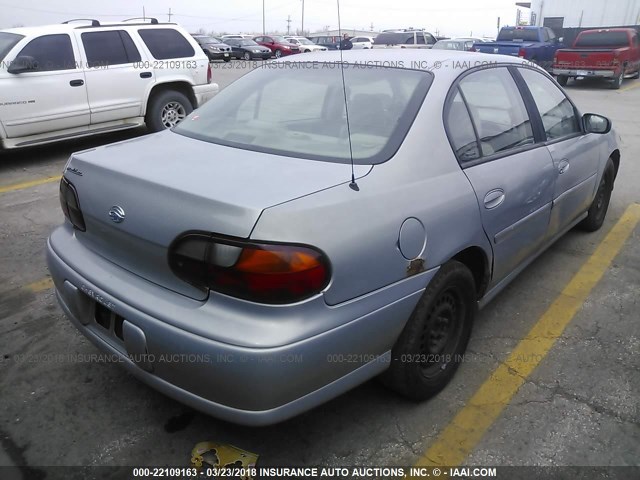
(353, 185)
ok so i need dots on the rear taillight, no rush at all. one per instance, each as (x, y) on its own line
(70, 204)
(522, 53)
(260, 272)
(209, 74)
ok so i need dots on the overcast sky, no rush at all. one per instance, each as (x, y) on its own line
(446, 17)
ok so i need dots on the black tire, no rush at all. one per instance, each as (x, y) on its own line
(431, 346)
(563, 80)
(159, 116)
(617, 83)
(637, 74)
(278, 53)
(227, 59)
(246, 56)
(600, 205)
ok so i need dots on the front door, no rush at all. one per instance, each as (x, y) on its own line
(574, 153)
(50, 97)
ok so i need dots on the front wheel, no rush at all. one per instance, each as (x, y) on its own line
(617, 83)
(431, 346)
(278, 53)
(166, 110)
(598, 209)
(246, 56)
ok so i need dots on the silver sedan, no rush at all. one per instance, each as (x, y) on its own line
(297, 235)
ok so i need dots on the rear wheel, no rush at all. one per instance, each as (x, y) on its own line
(430, 348)
(167, 109)
(600, 205)
(563, 80)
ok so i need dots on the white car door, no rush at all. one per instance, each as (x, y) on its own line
(117, 77)
(48, 97)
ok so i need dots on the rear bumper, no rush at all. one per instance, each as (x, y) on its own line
(231, 380)
(204, 93)
(586, 72)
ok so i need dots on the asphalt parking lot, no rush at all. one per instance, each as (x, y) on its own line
(569, 399)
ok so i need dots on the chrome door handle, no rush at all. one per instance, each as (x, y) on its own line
(563, 166)
(494, 198)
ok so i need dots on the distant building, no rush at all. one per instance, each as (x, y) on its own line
(349, 31)
(568, 17)
(584, 13)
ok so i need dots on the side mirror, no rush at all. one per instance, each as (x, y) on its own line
(594, 123)
(23, 64)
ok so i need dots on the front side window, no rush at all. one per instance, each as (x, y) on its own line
(51, 53)
(7, 42)
(558, 115)
(166, 43)
(109, 48)
(310, 120)
(498, 111)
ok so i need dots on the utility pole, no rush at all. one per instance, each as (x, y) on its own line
(144, 16)
(169, 14)
(289, 25)
(302, 32)
(372, 26)
(264, 30)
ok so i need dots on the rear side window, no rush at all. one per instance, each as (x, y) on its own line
(497, 110)
(166, 43)
(51, 52)
(109, 48)
(460, 130)
(309, 122)
(558, 115)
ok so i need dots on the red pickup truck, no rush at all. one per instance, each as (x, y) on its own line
(610, 53)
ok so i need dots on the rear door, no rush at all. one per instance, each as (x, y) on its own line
(49, 98)
(575, 154)
(511, 172)
(117, 80)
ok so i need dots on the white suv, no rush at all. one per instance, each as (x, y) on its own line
(71, 80)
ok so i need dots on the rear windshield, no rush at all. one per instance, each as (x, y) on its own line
(298, 110)
(518, 34)
(7, 42)
(392, 38)
(603, 39)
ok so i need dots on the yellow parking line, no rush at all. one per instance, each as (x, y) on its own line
(32, 183)
(467, 428)
(40, 285)
(629, 87)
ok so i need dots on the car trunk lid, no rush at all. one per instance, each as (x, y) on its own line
(168, 184)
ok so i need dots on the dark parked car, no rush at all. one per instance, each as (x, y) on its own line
(278, 45)
(247, 49)
(331, 42)
(215, 48)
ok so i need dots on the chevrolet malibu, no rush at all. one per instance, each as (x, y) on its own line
(275, 250)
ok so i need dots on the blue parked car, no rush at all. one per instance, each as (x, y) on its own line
(538, 44)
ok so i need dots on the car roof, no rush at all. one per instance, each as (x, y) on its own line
(446, 65)
(70, 27)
